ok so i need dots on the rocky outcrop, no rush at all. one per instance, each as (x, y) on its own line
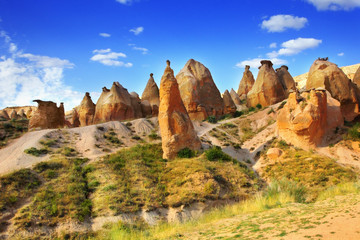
(4, 115)
(274, 153)
(22, 114)
(235, 97)
(246, 83)
(114, 105)
(267, 89)
(229, 105)
(324, 74)
(75, 119)
(86, 111)
(356, 78)
(14, 115)
(147, 110)
(151, 94)
(286, 79)
(136, 105)
(198, 91)
(306, 118)
(47, 115)
(177, 130)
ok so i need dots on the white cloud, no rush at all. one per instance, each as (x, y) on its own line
(255, 62)
(280, 23)
(143, 50)
(137, 30)
(105, 35)
(109, 58)
(295, 46)
(25, 77)
(341, 54)
(273, 45)
(125, 2)
(335, 5)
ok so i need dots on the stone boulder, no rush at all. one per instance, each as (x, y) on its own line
(198, 91)
(86, 111)
(47, 115)
(306, 118)
(235, 97)
(229, 105)
(324, 74)
(151, 94)
(4, 115)
(267, 89)
(246, 83)
(274, 153)
(114, 105)
(286, 79)
(176, 128)
(356, 78)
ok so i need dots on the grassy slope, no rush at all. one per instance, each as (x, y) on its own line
(11, 130)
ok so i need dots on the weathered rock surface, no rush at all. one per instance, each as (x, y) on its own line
(324, 74)
(235, 97)
(14, 115)
(229, 105)
(22, 114)
(27, 110)
(357, 77)
(75, 119)
(114, 105)
(151, 94)
(4, 115)
(306, 118)
(136, 105)
(177, 130)
(274, 153)
(246, 83)
(146, 109)
(86, 111)
(286, 79)
(48, 115)
(198, 91)
(267, 89)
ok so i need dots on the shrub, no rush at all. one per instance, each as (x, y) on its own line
(100, 128)
(353, 133)
(154, 136)
(281, 105)
(211, 119)
(68, 151)
(251, 109)
(258, 106)
(186, 153)
(216, 154)
(43, 166)
(291, 188)
(48, 143)
(270, 111)
(136, 137)
(36, 152)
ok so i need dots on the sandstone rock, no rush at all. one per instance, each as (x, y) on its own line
(305, 119)
(47, 115)
(14, 115)
(267, 89)
(356, 78)
(136, 104)
(114, 105)
(4, 115)
(29, 113)
(75, 119)
(151, 94)
(146, 109)
(22, 114)
(86, 111)
(246, 83)
(177, 130)
(327, 75)
(286, 79)
(229, 105)
(274, 153)
(235, 97)
(198, 91)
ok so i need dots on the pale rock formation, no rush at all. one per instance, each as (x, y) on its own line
(14, 115)
(356, 78)
(229, 105)
(235, 97)
(246, 83)
(86, 111)
(47, 115)
(286, 79)
(4, 115)
(274, 153)
(151, 94)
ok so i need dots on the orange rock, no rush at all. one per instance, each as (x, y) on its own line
(75, 119)
(14, 115)
(22, 114)
(286, 79)
(198, 91)
(151, 94)
(48, 115)
(325, 74)
(246, 83)
(356, 78)
(85, 111)
(176, 128)
(267, 89)
(235, 97)
(229, 105)
(4, 115)
(274, 153)
(136, 104)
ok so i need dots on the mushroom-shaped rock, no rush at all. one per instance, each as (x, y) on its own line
(286, 79)
(235, 97)
(229, 105)
(267, 89)
(4, 115)
(305, 119)
(114, 105)
(151, 94)
(356, 78)
(86, 110)
(246, 83)
(198, 91)
(176, 128)
(47, 115)
(329, 76)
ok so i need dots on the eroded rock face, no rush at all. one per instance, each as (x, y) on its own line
(267, 89)
(246, 83)
(151, 94)
(47, 115)
(136, 104)
(274, 153)
(176, 128)
(4, 115)
(114, 105)
(14, 115)
(86, 111)
(75, 119)
(306, 118)
(235, 97)
(22, 114)
(324, 74)
(198, 91)
(286, 79)
(229, 105)
(356, 78)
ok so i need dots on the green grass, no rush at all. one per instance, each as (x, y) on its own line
(12, 129)
(353, 132)
(340, 189)
(36, 152)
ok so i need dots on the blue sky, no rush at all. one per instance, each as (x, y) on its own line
(58, 50)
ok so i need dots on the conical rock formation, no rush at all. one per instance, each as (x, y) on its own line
(4, 115)
(151, 94)
(286, 79)
(357, 77)
(198, 91)
(14, 115)
(86, 110)
(177, 130)
(246, 83)
(235, 97)
(229, 105)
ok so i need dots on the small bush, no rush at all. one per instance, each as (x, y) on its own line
(353, 133)
(100, 128)
(258, 106)
(36, 152)
(211, 119)
(49, 143)
(251, 109)
(270, 111)
(238, 114)
(216, 154)
(43, 166)
(68, 151)
(154, 136)
(186, 153)
(281, 105)
(136, 137)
